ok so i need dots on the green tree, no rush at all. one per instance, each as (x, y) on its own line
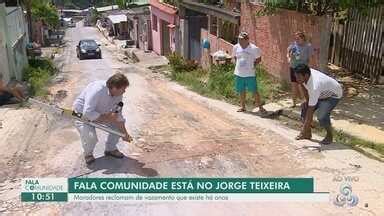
(40, 9)
(46, 12)
(122, 4)
(321, 7)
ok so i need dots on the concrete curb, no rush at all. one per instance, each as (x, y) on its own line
(349, 127)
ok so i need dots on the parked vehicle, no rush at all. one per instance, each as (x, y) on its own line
(88, 49)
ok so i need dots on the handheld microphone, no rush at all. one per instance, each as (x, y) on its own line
(119, 107)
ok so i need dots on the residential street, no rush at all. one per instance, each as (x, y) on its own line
(177, 133)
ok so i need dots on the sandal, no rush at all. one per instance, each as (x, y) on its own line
(241, 110)
(89, 159)
(261, 104)
(262, 110)
(301, 137)
(326, 141)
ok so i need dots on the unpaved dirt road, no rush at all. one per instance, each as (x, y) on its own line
(177, 134)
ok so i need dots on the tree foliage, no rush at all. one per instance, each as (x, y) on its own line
(321, 7)
(46, 12)
(122, 4)
(82, 4)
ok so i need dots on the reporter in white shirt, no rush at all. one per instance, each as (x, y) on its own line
(322, 94)
(98, 102)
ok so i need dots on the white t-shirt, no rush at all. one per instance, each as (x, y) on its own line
(321, 86)
(245, 59)
(95, 100)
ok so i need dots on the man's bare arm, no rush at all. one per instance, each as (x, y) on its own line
(257, 61)
(15, 91)
(308, 120)
(121, 127)
(305, 91)
(109, 117)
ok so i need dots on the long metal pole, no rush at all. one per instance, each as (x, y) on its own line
(68, 113)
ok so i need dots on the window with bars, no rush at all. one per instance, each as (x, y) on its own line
(213, 25)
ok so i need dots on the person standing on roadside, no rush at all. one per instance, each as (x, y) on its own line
(299, 52)
(246, 56)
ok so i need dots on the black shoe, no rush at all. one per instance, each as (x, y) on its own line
(89, 159)
(115, 153)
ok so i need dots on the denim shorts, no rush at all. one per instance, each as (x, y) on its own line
(323, 111)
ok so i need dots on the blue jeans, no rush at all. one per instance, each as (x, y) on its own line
(324, 108)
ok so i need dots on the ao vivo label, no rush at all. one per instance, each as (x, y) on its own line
(346, 178)
(44, 185)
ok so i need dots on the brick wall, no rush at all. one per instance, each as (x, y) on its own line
(274, 33)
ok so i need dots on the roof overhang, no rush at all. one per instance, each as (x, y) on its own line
(118, 18)
(221, 13)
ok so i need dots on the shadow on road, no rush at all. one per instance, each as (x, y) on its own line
(124, 165)
(268, 114)
(309, 145)
(332, 146)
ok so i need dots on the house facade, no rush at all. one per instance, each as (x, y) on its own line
(118, 25)
(164, 20)
(201, 23)
(206, 29)
(139, 26)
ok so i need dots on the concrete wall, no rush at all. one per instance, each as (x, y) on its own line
(184, 37)
(14, 33)
(144, 31)
(15, 23)
(274, 33)
(4, 68)
(156, 34)
(17, 40)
